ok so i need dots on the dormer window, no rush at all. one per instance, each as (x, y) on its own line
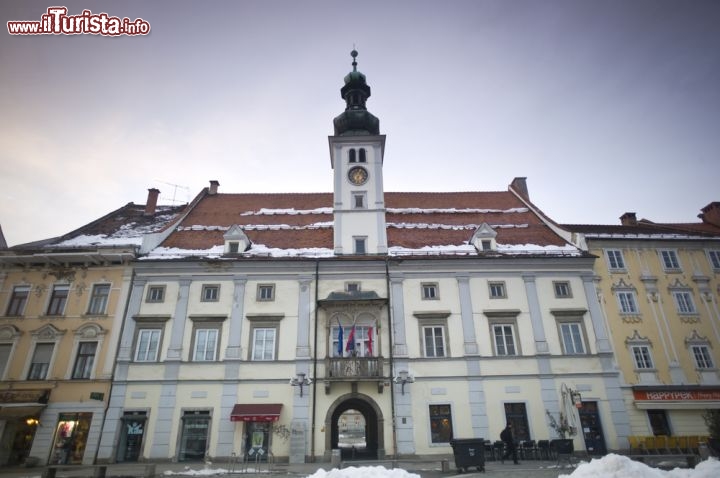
(235, 240)
(484, 238)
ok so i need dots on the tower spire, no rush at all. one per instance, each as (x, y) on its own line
(356, 119)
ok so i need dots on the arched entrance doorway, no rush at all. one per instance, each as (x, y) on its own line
(361, 417)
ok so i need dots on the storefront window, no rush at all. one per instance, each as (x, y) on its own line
(195, 428)
(440, 424)
(131, 436)
(70, 438)
(256, 439)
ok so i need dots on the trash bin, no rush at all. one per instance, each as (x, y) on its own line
(469, 452)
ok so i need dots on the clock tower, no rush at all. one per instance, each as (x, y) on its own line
(356, 156)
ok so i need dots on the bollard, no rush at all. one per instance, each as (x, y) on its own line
(149, 471)
(100, 471)
(445, 466)
(335, 458)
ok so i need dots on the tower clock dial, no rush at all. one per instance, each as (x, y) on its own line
(357, 175)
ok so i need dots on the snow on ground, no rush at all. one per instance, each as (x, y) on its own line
(364, 472)
(609, 466)
(618, 466)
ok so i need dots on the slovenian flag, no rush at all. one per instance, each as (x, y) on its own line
(350, 346)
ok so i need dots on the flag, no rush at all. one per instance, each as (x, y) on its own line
(350, 346)
(370, 344)
(340, 340)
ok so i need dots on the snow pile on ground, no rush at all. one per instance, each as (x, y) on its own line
(207, 471)
(364, 472)
(618, 466)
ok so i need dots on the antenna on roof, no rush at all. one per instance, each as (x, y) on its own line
(175, 188)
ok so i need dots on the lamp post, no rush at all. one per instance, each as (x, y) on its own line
(300, 381)
(402, 378)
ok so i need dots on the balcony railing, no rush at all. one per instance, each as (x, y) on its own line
(353, 368)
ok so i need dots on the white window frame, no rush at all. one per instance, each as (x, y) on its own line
(642, 357)
(9, 337)
(18, 289)
(206, 336)
(5, 361)
(152, 294)
(361, 340)
(714, 258)
(627, 302)
(430, 291)
(29, 376)
(615, 260)
(504, 327)
(210, 293)
(558, 287)
(684, 302)
(439, 350)
(266, 292)
(702, 357)
(147, 350)
(670, 260)
(360, 245)
(85, 361)
(260, 354)
(359, 196)
(98, 304)
(61, 311)
(499, 287)
(576, 337)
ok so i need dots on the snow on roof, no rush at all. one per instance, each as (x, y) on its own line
(126, 226)
(260, 250)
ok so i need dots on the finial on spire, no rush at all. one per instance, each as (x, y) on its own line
(354, 55)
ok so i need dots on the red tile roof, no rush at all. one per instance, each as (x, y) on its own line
(414, 220)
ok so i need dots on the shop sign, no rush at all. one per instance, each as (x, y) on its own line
(676, 395)
(25, 396)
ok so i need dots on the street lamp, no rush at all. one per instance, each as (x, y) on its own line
(299, 381)
(403, 378)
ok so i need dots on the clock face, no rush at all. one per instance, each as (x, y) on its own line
(357, 175)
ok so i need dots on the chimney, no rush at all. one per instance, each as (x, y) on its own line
(151, 201)
(519, 185)
(213, 187)
(628, 219)
(711, 214)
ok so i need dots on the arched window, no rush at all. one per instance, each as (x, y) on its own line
(362, 155)
(352, 155)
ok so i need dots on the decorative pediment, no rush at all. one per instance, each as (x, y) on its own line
(90, 331)
(484, 238)
(697, 339)
(236, 241)
(637, 339)
(622, 285)
(9, 332)
(678, 284)
(48, 332)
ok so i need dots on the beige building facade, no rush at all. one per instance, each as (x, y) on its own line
(658, 288)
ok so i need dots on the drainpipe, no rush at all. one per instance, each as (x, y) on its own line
(315, 379)
(113, 455)
(390, 340)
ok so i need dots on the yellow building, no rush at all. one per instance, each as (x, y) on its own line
(61, 308)
(658, 287)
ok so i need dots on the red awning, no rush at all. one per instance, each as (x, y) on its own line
(255, 412)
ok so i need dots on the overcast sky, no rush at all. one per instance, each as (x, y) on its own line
(605, 106)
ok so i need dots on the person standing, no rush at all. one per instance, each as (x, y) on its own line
(507, 437)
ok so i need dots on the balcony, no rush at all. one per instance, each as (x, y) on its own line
(353, 369)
